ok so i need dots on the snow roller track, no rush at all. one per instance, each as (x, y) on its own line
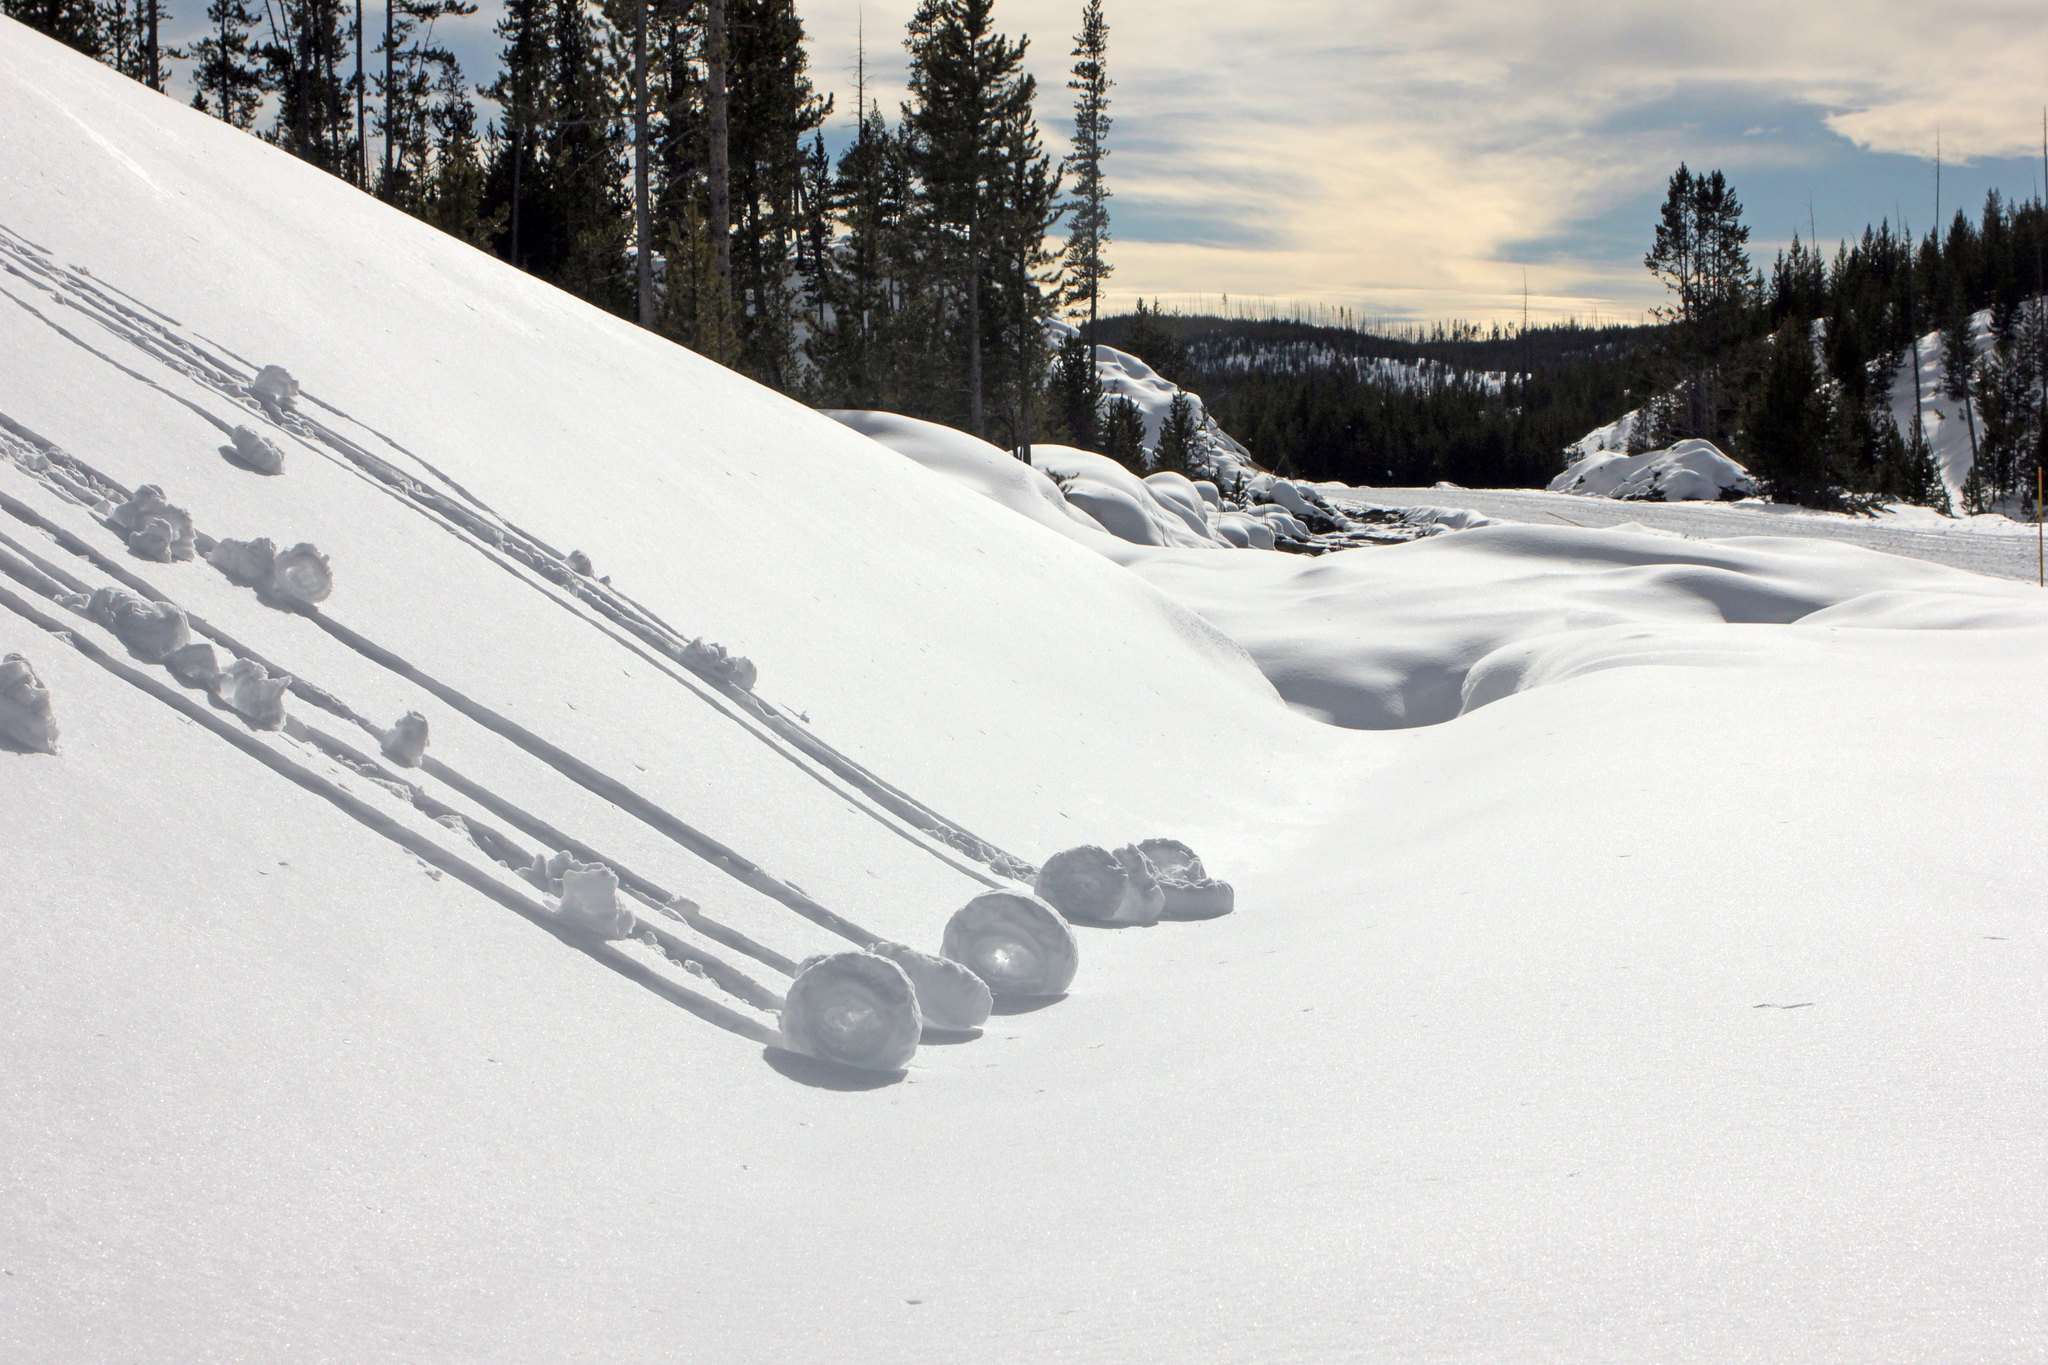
(710, 850)
(471, 521)
(54, 582)
(426, 849)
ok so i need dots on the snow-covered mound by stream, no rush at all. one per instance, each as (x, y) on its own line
(1633, 1014)
(1690, 471)
(1124, 375)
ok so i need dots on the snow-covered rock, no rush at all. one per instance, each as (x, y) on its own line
(1690, 471)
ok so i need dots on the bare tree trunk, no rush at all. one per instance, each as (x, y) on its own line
(362, 118)
(974, 422)
(155, 75)
(720, 169)
(642, 219)
(388, 58)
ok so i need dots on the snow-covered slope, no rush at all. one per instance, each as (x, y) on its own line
(1636, 1014)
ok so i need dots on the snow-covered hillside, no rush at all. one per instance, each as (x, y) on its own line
(1667, 984)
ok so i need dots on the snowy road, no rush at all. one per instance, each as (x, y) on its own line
(1996, 548)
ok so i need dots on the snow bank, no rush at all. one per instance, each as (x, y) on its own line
(974, 463)
(1127, 506)
(1421, 633)
(1691, 471)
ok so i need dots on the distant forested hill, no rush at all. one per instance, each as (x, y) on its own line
(1481, 407)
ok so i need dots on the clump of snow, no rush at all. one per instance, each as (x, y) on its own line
(26, 720)
(1690, 471)
(1018, 944)
(949, 996)
(406, 742)
(247, 562)
(152, 631)
(156, 530)
(275, 389)
(589, 900)
(254, 452)
(248, 690)
(302, 574)
(712, 660)
(1189, 891)
(855, 1009)
(196, 665)
(1096, 886)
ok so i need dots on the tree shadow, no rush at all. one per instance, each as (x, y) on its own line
(823, 1075)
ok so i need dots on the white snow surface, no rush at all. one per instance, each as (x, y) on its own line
(1690, 471)
(1682, 1001)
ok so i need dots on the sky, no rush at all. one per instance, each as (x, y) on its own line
(1428, 162)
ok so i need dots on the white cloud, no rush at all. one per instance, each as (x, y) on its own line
(1389, 155)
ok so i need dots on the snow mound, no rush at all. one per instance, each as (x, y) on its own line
(973, 463)
(1128, 507)
(1124, 375)
(1422, 633)
(1690, 471)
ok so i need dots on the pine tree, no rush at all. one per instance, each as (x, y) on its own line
(772, 109)
(421, 77)
(303, 55)
(1958, 360)
(1024, 277)
(77, 24)
(1123, 433)
(1179, 436)
(1786, 432)
(966, 84)
(1077, 385)
(1088, 234)
(227, 77)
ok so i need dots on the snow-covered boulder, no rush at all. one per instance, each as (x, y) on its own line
(1127, 506)
(1691, 471)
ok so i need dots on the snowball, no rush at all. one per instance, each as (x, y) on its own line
(301, 574)
(1189, 891)
(245, 688)
(948, 994)
(274, 387)
(590, 899)
(152, 631)
(406, 742)
(247, 562)
(855, 1009)
(253, 452)
(1018, 944)
(25, 717)
(195, 665)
